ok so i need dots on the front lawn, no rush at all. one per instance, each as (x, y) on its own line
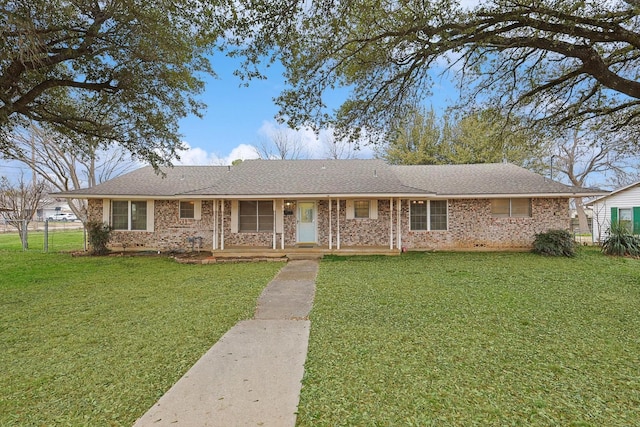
(482, 339)
(58, 240)
(96, 341)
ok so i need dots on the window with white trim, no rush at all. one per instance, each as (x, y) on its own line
(438, 215)
(428, 215)
(255, 216)
(187, 209)
(511, 208)
(129, 215)
(625, 218)
(361, 208)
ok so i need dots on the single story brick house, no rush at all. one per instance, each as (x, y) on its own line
(621, 205)
(330, 204)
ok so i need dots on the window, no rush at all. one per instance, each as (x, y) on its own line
(129, 214)
(438, 214)
(139, 215)
(428, 215)
(514, 208)
(255, 216)
(361, 208)
(120, 215)
(625, 217)
(500, 207)
(419, 215)
(187, 210)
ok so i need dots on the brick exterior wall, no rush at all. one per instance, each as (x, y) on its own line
(470, 226)
(171, 233)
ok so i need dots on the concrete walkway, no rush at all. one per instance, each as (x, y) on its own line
(252, 375)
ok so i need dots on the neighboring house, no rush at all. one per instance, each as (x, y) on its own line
(620, 205)
(330, 204)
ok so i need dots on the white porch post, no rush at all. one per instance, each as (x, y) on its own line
(273, 202)
(282, 231)
(338, 224)
(399, 222)
(330, 225)
(222, 225)
(215, 224)
(391, 223)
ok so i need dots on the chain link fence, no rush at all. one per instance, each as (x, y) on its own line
(43, 236)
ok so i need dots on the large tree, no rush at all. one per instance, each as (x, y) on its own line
(120, 70)
(420, 138)
(65, 164)
(479, 137)
(281, 143)
(563, 61)
(587, 156)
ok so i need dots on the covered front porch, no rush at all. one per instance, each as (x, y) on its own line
(321, 225)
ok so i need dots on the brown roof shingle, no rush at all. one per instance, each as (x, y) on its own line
(266, 178)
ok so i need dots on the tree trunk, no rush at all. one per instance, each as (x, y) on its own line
(24, 237)
(583, 222)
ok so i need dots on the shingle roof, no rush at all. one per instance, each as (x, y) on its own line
(264, 178)
(146, 182)
(308, 177)
(481, 179)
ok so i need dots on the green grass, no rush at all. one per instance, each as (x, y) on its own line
(483, 339)
(59, 241)
(96, 341)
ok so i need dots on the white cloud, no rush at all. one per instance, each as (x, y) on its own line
(311, 146)
(193, 156)
(198, 156)
(241, 152)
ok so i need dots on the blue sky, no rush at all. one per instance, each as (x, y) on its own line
(238, 118)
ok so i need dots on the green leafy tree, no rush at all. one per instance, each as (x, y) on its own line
(123, 71)
(419, 139)
(488, 137)
(561, 61)
(480, 137)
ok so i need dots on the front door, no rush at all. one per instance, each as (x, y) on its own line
(306, 222)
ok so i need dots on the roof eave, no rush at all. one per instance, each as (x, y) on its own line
(517, 195)
(326, 196)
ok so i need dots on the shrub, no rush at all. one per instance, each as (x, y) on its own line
(621, 242)
(98, 234)
(555, 243)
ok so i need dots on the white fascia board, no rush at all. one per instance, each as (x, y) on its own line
(326, 196)
(516, 195)
(614, 192)
(315, 196)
